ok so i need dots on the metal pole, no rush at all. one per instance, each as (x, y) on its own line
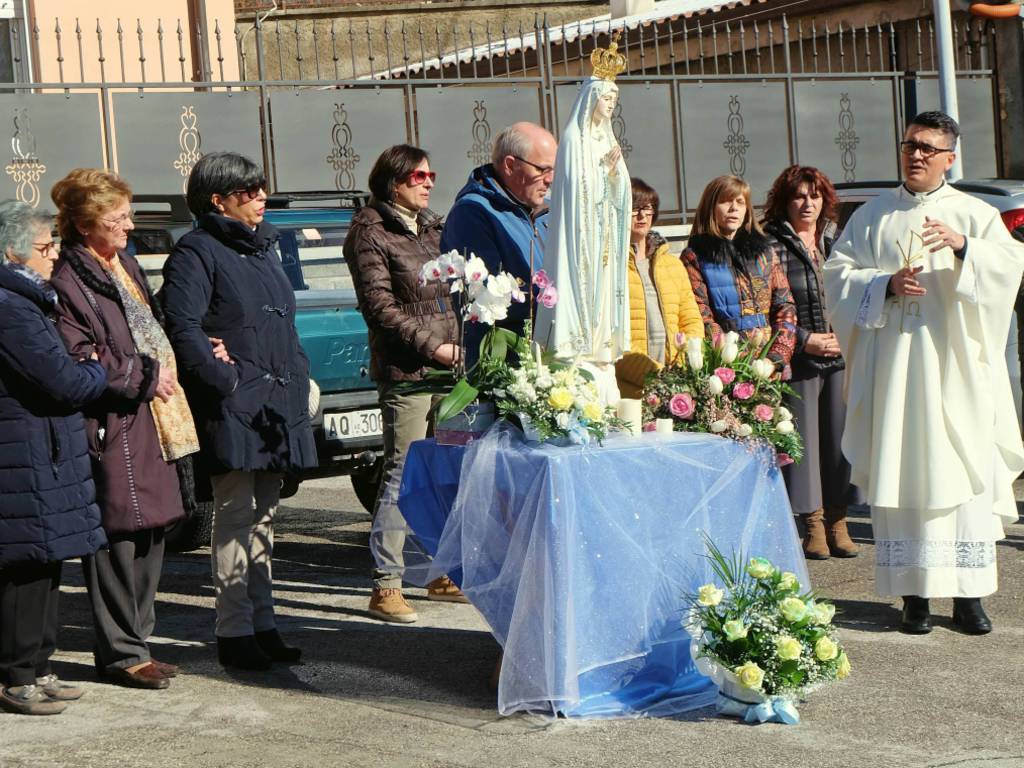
(947, 73)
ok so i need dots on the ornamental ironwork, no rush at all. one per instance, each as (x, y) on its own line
(190, 142)
(343, 157)
(736, 144)
(619, 131)
(480, 152)
(25, 169)
(847, 139)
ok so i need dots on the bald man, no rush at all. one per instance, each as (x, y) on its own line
(501, 213)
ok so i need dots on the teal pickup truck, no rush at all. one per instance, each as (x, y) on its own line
(348, 427)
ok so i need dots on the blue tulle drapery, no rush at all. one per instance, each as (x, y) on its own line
(579, 557)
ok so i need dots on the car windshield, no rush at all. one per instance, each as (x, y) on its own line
(312, 257)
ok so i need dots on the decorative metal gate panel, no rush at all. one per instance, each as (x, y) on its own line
(49, 135)
(737, 128)
(326, 140)
(159, 137)
(847, 128)
(458, 125)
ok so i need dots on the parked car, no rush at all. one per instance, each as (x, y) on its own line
(1006, 196)
(348, 428)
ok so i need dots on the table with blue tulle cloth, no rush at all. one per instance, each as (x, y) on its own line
(579, 557)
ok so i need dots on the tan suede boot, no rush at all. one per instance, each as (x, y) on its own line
(815, 545)
(390, 605)
(838, 538)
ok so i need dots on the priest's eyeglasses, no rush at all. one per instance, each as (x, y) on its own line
(927, 150)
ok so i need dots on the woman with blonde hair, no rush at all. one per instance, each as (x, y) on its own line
(136, 432)
(737, 279)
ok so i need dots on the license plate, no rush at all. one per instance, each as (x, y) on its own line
(349, 424)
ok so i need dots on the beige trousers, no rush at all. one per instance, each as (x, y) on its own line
(243, 545)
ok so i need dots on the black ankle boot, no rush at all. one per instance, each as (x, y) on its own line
(970, 616)
(272, 645)
(916, 618)
(241, 653)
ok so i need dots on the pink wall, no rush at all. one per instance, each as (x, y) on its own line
(131, 14)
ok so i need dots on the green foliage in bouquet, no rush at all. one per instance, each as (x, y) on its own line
(551, 399)
(728, 388)
(759, 626)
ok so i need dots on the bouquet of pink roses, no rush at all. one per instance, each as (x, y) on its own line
(728, 388)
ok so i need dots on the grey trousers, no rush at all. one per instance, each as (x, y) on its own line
(406, 419)
(122, 582)
(241, 551)
(822, 479)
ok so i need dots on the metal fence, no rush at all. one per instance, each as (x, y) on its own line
(318, 101)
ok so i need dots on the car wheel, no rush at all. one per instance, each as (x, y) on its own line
(193, 532)
(366, 484)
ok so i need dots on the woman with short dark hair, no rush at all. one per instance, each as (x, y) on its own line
(412, 329)
(48, 509)
(225, 280)
(799, 219)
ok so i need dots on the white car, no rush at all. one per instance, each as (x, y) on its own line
(1006, 196)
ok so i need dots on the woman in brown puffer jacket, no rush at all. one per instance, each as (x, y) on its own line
(412, 328)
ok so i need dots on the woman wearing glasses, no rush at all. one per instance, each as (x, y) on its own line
(48, 507)
(225, 280)
(661, 302)
(412, 329)
(136, 432)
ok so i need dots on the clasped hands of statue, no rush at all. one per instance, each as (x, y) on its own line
(938, 235)
(612, 158)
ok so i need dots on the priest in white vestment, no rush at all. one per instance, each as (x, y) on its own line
(921, 287)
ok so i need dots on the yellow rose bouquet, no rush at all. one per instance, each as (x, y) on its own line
(764, 640)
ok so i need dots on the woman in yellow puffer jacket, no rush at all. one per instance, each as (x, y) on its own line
(661, 301)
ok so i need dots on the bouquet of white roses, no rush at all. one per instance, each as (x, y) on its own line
(768, 642)
(551, 399)
(726, 387)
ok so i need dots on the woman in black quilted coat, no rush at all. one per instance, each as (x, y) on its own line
(48, 509)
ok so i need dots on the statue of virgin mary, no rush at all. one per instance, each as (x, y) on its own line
(587, 249)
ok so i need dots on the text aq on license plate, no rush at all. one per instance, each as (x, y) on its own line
(343, 426)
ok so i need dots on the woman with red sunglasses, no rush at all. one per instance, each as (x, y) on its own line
(412, 329)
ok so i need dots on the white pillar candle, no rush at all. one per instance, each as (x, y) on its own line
(663, 426)
(629, 411)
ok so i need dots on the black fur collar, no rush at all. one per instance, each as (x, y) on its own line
(96, 280)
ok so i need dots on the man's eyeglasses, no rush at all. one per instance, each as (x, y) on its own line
(543, 170)
(647, 210)
(249, 193)
(419, 176)
(45, 248)
(121, 221)
(927, 150)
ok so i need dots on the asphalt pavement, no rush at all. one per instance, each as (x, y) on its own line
(368, 694)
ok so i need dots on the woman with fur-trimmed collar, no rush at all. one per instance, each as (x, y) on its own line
(737, 280)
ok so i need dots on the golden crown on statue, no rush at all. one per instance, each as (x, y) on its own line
(608, 62)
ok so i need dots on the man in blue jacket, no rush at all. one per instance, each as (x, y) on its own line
(501, 214)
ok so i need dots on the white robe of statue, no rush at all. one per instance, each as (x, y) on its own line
(587, 249)
(930, 432)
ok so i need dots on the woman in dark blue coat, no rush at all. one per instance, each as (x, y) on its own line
(225, 280)
(48, 509)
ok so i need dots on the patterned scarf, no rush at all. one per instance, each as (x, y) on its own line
(173, 419)
(36, 279)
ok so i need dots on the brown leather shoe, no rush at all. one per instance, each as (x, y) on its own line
(815, 545)
(839, 542)
(444, 590)
(143, 677)
(167, 670)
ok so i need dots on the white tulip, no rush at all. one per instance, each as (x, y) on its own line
(744, 430)
(732, 338)
(715, 385)
(763, 368)
(784, 413)
(718, 426)
(784, 427)
(730, 353)
(695, 353)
